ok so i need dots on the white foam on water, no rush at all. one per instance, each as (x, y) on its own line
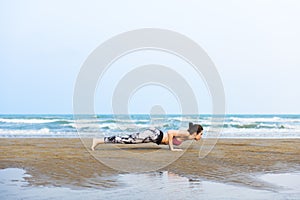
(28, 121)
(25, 132)
(44, 132)
(263, 119)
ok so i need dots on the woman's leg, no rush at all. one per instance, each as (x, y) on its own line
(149, 135)
(113, 139)
(97, 141)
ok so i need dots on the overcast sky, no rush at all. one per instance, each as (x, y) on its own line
(255, 46)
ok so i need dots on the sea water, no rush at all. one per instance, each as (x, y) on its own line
(70, 126)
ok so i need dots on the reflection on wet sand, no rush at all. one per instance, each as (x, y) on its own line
(152, 185)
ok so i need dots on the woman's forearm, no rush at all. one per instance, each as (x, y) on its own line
(170, 140)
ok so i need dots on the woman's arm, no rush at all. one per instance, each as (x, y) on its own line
(174, 133)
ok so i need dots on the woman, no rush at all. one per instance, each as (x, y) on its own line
(154, 135)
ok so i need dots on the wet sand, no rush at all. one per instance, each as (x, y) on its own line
(66, 162)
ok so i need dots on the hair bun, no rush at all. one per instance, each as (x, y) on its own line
(190, 125)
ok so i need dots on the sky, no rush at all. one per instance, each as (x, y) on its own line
(254, 44)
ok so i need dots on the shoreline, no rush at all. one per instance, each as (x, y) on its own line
(66, 162)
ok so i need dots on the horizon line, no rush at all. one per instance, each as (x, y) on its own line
(150, 114)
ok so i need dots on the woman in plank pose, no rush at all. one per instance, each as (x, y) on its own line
(154, 135)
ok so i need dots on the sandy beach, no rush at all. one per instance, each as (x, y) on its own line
(67, 163)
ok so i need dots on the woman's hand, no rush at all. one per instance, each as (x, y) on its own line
(170, 138)
(176, 150)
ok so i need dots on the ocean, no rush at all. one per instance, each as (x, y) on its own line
(65, 126)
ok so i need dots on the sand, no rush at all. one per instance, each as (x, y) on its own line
(66, 162)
